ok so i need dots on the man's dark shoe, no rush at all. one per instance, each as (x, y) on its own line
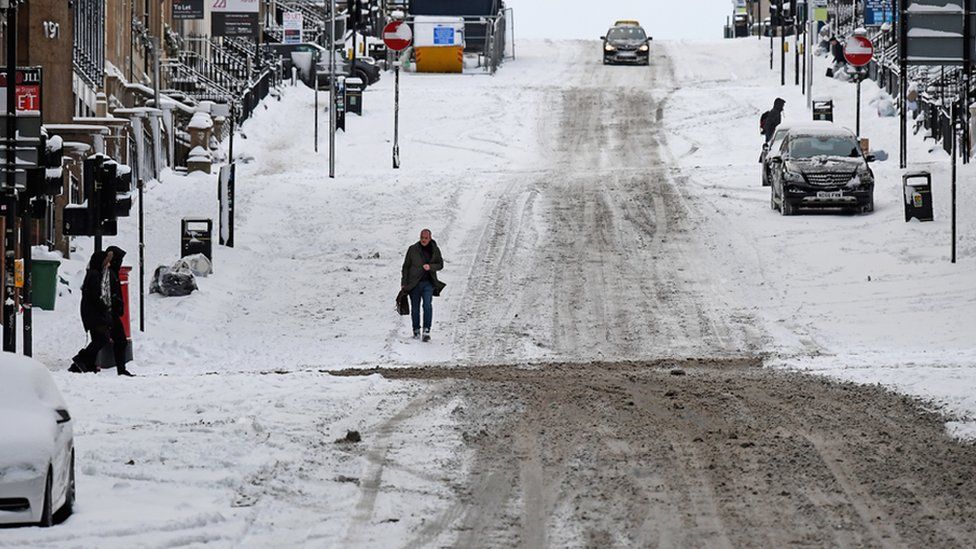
(76, 368)
(127, 373)
(426, 337)
(416, 334)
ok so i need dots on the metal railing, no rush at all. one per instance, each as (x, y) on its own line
(88, 45)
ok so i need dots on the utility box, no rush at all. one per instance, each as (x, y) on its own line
(340, 103)
(917, 187)
(823, 110)
(354, 95)
(196, 237)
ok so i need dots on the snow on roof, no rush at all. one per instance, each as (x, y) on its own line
(820, 129)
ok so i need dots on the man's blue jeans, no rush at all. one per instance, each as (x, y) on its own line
(425, 291)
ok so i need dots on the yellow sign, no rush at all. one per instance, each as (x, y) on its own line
(19, 273)
(820, 14)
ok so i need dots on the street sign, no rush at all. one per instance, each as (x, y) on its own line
(397, 35)
(28, 89)
(878, 12)
(234, 18)
(858, 51)
(443, 36)
(187, 10)
(291, 23)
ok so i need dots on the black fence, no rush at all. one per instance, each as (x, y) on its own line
(88, 47)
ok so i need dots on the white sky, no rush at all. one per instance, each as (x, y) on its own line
(699, 19)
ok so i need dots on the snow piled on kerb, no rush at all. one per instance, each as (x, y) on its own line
(867, 298)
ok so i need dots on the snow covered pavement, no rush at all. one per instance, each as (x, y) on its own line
(586, 213)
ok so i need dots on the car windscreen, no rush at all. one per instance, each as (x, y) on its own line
(626, 33)
(809, 146)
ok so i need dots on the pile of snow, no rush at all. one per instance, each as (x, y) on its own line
(199, 154)
(200, 121)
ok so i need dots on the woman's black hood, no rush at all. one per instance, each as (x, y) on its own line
(117, 255)
(95, 263)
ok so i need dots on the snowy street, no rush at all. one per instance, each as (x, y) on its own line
(621, 357)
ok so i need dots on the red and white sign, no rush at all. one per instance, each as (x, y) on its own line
(397, 35)
(858, 51)
(28, 90)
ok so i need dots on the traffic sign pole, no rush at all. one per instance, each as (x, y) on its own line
(858, 51)
(396, 114)
(397, 37)
(9, 191)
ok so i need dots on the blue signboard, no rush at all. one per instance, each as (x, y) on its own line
(443, 36)
(879, 12)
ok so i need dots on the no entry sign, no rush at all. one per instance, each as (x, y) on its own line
(397, 35)
(858, 51)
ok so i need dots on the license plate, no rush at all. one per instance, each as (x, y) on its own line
(830, 194)
(626, 54)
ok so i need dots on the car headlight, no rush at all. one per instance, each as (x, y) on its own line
(792, 177)
(645, 47)
(609, 47)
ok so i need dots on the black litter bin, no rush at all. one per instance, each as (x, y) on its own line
(196, 237)
(354, 95)
(823, 109)
(917, 188)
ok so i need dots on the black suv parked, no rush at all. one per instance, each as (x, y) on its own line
(820, 166)
(626, 43)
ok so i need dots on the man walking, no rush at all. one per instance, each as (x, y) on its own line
(419, 279)
(771, 119)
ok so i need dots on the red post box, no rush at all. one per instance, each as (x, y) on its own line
(124, 280)
(106, 358)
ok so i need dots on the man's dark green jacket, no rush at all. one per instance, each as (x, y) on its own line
(413, 267)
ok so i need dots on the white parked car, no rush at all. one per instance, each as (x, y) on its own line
(37, 457)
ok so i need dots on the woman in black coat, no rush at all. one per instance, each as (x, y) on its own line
(101, 309)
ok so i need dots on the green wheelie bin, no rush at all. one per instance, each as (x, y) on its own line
(44, 283)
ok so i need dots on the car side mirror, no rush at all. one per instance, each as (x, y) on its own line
(649, 38)
(870, 158)
(63, 416)
(603, 38)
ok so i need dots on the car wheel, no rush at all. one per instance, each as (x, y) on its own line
(786, 208)
(869, 207)
(69, 500)
(47, 514)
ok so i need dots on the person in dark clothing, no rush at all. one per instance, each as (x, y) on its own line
(837, 51)
(771, 119)
(419, 279)
(102, 307)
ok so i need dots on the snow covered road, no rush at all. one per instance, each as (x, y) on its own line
(602, 226)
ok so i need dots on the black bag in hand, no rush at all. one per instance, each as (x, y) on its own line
(403, 303)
